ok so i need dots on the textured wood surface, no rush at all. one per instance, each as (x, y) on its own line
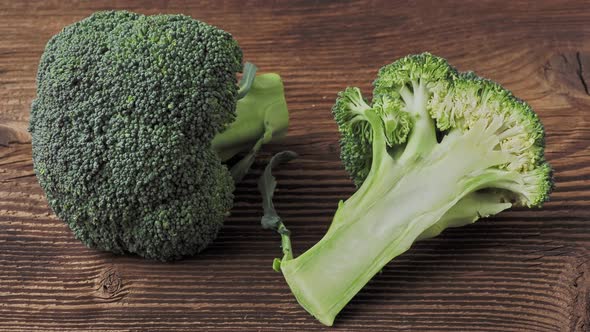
(523, 270)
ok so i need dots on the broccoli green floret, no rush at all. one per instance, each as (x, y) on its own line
(137, 130)
(434, 149)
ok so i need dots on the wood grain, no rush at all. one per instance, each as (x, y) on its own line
(523, 270)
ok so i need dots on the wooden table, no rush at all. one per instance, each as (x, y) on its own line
(523, 270)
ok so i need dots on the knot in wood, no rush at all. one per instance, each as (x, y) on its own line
(568, 72)
(110, 284)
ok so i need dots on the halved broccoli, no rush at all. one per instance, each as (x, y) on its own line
(136, 127)
(435, 149)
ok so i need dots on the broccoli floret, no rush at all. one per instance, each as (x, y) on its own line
(434, 149)
(136, 127)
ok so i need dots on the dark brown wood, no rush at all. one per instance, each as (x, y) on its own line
(523, 270)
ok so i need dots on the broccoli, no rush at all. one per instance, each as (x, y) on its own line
(435, 149)
(138, 128)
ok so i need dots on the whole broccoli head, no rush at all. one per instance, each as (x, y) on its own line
(434, 149)
(128, 108)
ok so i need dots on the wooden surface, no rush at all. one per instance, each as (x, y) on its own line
(519, 271)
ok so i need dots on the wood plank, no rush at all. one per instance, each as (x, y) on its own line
(523, 270)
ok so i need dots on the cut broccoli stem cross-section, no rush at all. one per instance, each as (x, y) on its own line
(376, 228)
(433, 149)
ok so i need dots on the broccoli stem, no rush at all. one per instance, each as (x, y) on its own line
(271, 220)
(261, 117)
(376, 228)
(423, 136)
(248, 76)
(467, 211)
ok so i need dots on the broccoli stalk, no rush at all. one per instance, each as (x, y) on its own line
(261, 116)
(443, 149)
